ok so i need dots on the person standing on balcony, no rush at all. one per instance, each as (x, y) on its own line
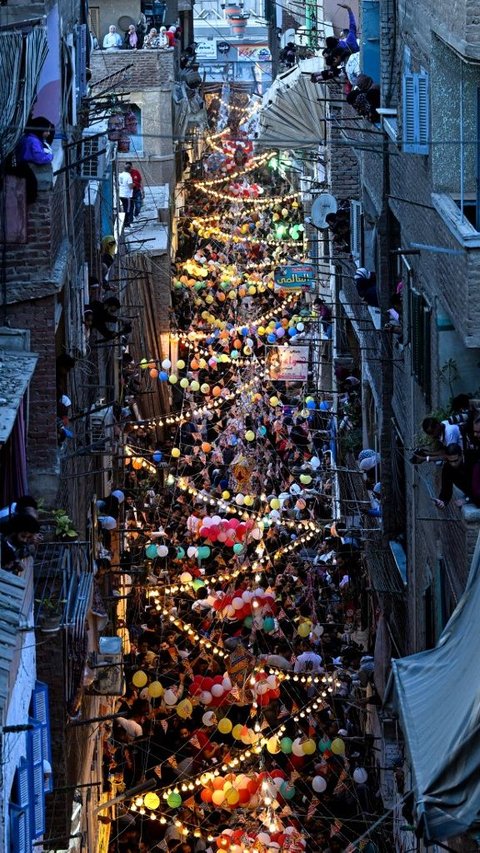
(112, 40)
(138, 191)
(349, 39)
(125, 192)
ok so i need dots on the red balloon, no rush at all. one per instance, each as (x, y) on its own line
(252, 787)
(244, 795)
(229, 543)
(206, 795)
(233, 523)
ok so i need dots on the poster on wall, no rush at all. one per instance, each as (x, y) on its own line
(288, 363)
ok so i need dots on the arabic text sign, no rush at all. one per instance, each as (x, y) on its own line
(294, 277)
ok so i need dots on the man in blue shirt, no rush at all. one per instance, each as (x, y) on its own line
(350, 40)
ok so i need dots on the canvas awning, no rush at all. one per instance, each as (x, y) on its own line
(16, 371)
(437, 696)
(293, 111)
(21, 61)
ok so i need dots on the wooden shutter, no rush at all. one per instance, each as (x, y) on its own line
(35, 759)
(20, 841)
(416, 114)
(40, 712)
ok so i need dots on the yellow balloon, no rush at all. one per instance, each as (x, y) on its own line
(184, 382)
(232, 797)
(274, 401)
(180, 364)
(338, 746)
(225, 495)
(304, 629)
(175, 452)
(225, 726)
(275, 503)
(155, 690)
(218, 797)
(309, 747)
(237, 731)
(184, 709)
(173, 379)
(249, 500)
(139, 678)
(151, 800)
(273, 745)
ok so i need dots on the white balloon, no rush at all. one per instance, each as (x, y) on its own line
(295, 489)
(360, 775)
(319, 784)
(191, 551)
(169, 697)
(315, 462)
(227, 684)
(217, 690)
(166, 364)
(297, 747)
(215, 519)
(209, 718)
(162, 550)
(263, 838)
(205, 697)
(272, 682)
(247, 596)
(237, 603)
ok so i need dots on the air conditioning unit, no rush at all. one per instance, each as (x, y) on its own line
(93, 158)
(356, 229)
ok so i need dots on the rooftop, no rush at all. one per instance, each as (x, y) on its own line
(150, 232)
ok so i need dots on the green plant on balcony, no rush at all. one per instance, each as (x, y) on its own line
(64, 528)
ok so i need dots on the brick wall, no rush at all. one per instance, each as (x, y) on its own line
(149, 68)
(39, 317)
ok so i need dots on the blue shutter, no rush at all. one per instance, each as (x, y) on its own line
(19, 829)
(35, 759)
(416, 114)
(40, 712)
(19, 812)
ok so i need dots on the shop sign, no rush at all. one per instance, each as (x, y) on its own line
(206, 49)
(251, 53)
(294, 277)
(223, 47)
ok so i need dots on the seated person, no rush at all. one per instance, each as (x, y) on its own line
(34, 146)
(112, 40)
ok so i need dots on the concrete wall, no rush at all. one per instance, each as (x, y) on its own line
(149, 82)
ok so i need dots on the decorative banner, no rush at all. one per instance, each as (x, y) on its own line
(251, 53)
(288, 364)
(206, 49)
(294, 277)
(239, 661)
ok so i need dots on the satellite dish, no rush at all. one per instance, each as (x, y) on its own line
(321, 207)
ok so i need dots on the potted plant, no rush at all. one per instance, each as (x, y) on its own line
(64, 529)
(51, 614)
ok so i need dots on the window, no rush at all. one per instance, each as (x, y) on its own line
(420, 320)
(356, 230)
(416, 114)
(37, 797)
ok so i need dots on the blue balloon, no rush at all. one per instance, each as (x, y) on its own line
(271, 339)
(233, 440)
(157, 456)
(244, 331)
(151, 551)
(292, 332)
(163, 375)
(278, 325)
(262, 430)
(311, 404)
(324, 406)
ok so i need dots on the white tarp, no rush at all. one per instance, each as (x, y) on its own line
(293, 109)
(437, 696)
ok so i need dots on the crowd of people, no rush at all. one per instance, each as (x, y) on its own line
(249, 670)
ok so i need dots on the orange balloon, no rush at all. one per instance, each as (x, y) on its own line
(218, 783)
(216, 391)
(154, 373)
(137, 464)
(221, 296)
(194, 364)
(206, 795)
(242, 291)
(237, 343)
(206, 447)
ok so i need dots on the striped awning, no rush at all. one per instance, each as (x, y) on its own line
(21, 60)
(293, 113)
(437, 696)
